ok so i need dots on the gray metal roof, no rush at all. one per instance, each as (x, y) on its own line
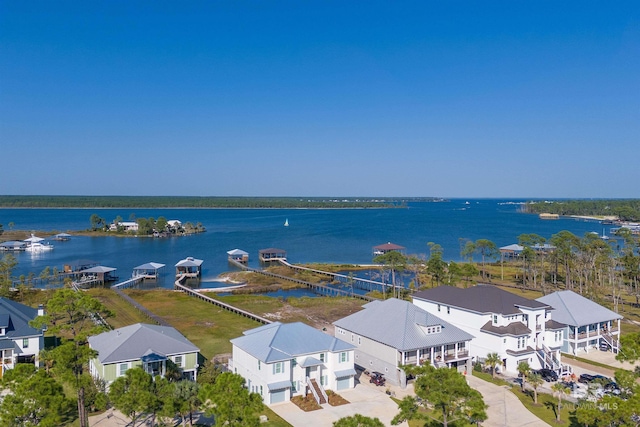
(480, 298)
(575, 310)
(279, 385)
(282, 341)
(99, 269)
(149, 266)
(189, 262)
(345, 373)
(17, 317)
(514, 329)
(400, 324)
(135, 341)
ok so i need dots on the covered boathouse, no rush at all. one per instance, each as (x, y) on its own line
(190, 267)
(238, 255)
(387, 247)
(150, 270)
(271, 254)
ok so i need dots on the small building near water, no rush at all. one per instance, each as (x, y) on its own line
(271, 254)
(190, 267)
(387, 247)
(100, 274)
(238, 255)
(13, 246)
(150, 270)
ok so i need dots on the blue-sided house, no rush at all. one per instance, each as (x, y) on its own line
(19, 342)
(281, 360)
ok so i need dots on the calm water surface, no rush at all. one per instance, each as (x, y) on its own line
(314, 235)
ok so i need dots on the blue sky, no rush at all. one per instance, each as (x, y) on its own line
(320, 98)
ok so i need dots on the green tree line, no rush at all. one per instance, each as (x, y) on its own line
(624, 209)
(193, 202)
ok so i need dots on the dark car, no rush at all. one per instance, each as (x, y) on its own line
(570, 385)
(585, 378)
(547, 374)
(612, 388)
(377, 378)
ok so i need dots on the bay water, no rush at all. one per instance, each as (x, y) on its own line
(342, 236)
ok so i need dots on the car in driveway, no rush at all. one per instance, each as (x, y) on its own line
(586, 378)
(377, 378)
(547, 374)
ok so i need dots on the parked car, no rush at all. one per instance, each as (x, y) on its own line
(585, 378)
(377, 378)
(547, 374)
(570, 385)
(612, 388)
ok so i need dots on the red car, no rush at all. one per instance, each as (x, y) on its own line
(377, 378)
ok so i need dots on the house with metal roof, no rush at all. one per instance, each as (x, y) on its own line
(517, 328)
(189, 267)
(588, 324)
(282, 360)
(387, 247)
(19, 342)
(145, 346)
(391, 333)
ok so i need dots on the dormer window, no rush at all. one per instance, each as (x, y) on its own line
(495, 319)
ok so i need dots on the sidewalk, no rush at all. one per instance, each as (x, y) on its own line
(505, 409)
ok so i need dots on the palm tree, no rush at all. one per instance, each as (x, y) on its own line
(524, 370)
(493, 360)
(535, 380)
(560, 390)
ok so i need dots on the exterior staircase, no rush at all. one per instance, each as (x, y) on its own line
(548, 359)
(611, 342)
(318, 392)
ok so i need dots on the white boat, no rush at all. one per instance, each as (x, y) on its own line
(38, 247)
(286, 222)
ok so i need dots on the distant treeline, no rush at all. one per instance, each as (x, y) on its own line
(198, 202)
(624, 209)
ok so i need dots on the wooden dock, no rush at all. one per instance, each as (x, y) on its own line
(315, 287)
(178, 285)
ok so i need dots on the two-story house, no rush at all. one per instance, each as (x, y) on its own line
(517, 328)
(281, 360)
(145, 346)
(392, 333)
(19, 342)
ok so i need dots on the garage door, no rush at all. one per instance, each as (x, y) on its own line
(278, 396)
(343, 383)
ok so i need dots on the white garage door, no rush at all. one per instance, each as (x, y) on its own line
(278, 396)
(342, 383)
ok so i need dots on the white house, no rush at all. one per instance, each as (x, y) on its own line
(391, 333)
(124, 225)
(19, 342)
(588, 324)
(517, 328)
(281, 360)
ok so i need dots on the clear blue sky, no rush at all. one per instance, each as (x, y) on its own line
(320, 98)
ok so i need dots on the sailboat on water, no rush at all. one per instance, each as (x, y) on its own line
(286, 222)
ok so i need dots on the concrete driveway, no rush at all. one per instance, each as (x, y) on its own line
(365, 399)
(505, 409)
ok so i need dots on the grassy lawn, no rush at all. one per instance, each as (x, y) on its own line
(124, 313)
(207, 326)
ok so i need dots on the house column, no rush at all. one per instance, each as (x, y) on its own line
(442, 353)
(432, 356)
(419, 352)
(404, 357)
(575, 340)
(164, 367)
(586, 346)
(456, 350)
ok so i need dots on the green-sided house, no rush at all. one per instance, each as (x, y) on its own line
(145, 346)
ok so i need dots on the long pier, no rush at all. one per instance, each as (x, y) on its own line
(117, 288)
(315, 287)
(178, 285)
(343, 278)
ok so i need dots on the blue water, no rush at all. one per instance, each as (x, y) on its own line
(314, 235)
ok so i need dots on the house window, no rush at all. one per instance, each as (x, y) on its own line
(351, 337)
(448, 310)
(278, 367)
(294, 386)
(294, 363)
(428, 330)
(322, 357)
(438, 307)
(261, 391)
(344, 357)
(122, 369)
(324, 380)
(359, 340)
(495, 318)
(258, 365)
(178, 361)
(25, 343)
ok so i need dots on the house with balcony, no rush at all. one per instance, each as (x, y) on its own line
(517, 328)
(588, 325)
(282, 360)
(19, 342)
(141, 345)
(391, 333)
